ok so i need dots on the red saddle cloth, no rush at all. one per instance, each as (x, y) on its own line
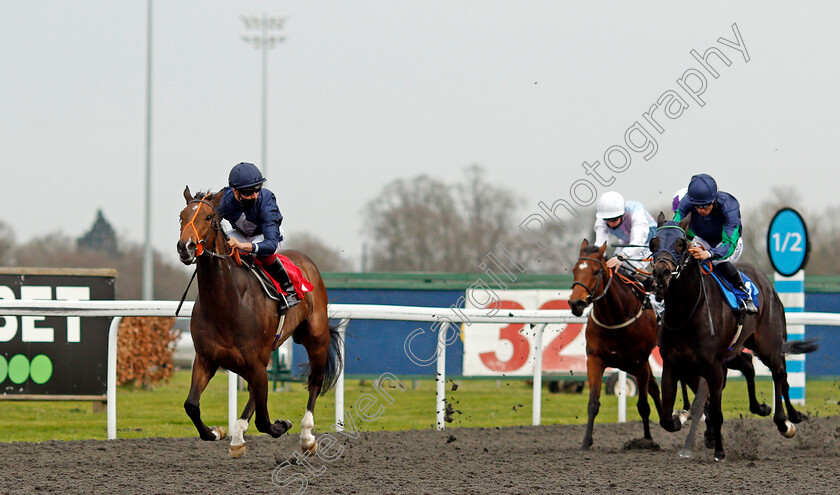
(299, 281)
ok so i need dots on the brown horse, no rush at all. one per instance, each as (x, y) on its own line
(234, 324)
(620, 333)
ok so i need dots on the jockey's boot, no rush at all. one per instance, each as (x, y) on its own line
(733, 276)
(278, 273)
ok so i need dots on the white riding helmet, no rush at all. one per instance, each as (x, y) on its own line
(610, 205)
(678, 196)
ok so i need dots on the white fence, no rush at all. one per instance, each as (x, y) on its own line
(445, 316)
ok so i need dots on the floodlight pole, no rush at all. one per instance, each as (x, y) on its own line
(264, 41)
(148, 266)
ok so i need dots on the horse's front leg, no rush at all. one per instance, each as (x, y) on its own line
(716, 380)
(668, 419)
(258, 388)
(700, 397)
(643, 381)
(202, 372)
(595, 373)
(237, 436)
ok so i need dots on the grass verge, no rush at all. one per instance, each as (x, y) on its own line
(475, 403)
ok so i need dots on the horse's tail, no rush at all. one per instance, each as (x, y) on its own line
(334, 360)
(800, 346)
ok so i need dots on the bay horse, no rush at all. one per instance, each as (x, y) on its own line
(622, 335)
(234, 324)
(701, 335)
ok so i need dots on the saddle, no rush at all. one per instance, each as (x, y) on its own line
(272, 287)
(734, 295)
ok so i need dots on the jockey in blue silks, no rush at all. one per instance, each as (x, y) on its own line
(252, 211)
(716, 228)
(630, 223)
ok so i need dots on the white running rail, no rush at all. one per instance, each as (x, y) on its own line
(537, 318)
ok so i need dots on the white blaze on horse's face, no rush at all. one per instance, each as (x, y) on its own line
(583, 266)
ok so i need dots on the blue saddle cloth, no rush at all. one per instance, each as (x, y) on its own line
(733, 295)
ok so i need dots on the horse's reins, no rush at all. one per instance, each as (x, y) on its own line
(678, 267)
(199, 246)
(590, 292)
(590, 299)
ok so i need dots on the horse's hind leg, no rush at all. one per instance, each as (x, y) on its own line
(785, 424)
(202, 372)
(743, 363)
(316, 339)
(595, 374)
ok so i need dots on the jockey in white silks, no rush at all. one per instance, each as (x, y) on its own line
(632, 226)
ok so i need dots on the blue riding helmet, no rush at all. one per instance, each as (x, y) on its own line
(245, 175)
(702, 190)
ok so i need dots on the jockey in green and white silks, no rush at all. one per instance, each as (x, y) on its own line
(630, 223)
(716, 229)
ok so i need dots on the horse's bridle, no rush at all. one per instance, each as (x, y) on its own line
(676, 268)
(590, 292)
(214, 225)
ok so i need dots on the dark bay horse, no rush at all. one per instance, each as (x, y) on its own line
(620, 333)
(701, 335)
(234, 324)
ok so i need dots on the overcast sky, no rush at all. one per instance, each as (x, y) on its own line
(362, 93)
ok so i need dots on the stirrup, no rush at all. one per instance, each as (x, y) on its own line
(288, 301)
(748, 307)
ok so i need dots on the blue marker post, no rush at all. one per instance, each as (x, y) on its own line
(788, 247)
(792, 293)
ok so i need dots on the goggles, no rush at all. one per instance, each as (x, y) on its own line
(250, 191)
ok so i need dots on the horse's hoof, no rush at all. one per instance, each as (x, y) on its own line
(309, 450)
(219, 432)
(791, 430)
(236, 451)
(280, 427)
(685, 453)
(286, 424)
(719, 456)
(764, 410)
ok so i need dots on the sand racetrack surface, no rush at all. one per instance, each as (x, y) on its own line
(543, 459)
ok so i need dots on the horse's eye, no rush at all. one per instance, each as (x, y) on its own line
(209, 217)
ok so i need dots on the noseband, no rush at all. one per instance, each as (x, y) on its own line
(591, 292)
(674, 266)
(214, 224)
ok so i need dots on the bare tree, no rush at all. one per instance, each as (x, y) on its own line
(559, 246)
(59, 251)
(488, 213)
(756, 221)
(416, 227)
(7, 242)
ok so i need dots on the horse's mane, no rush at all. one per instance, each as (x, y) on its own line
(203, 194)
(590, 249)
